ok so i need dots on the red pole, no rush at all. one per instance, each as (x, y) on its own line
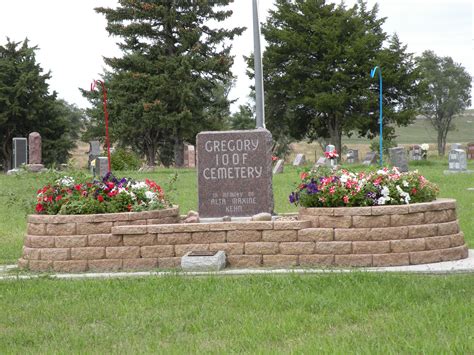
(106, 114)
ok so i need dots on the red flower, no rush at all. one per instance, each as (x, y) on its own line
(304, 175)
(413, 191)
(112, 193)
(274, 158)
(100, 198)
(78, 187)
(59, 197)
(39, 208)
(129, 207)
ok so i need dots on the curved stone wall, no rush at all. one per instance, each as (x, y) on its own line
(385, 235)
(67, 242)
(365, 236)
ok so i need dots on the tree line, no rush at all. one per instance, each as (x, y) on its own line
(173, 79)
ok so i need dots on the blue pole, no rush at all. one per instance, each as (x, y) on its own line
(372, 73)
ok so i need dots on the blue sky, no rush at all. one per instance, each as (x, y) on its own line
(72, 37)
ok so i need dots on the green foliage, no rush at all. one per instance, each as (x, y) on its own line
(317, 71)
(173, 78)
(447, 92)
(243, 119)
(27, 106)
(122, 159)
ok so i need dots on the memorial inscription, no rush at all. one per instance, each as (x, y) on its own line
(234, 173)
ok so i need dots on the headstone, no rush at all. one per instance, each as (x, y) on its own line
(20, 152)
(94, 151)
(457, 160)
(101, 167)
(415, 152)
(189, 156)
(300, 159)
(234, 173)
(278, 168)
(352, 156)
(455, 146)
(34, 142)
(398, 158)
(470, 151)
(322, 161)
(371, 158)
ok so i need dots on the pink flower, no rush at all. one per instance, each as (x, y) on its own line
(332, 190)
(346, 199)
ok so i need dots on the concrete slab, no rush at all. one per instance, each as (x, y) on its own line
(447, 267)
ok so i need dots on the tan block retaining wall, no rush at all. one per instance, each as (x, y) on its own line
(364, 236)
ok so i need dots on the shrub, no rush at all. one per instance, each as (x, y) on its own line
(122, 159)
(67, 196)
(347, 189)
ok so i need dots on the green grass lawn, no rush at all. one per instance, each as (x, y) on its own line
(352, 313)
(333, 313)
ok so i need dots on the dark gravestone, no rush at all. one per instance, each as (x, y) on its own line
(352, 156)
(101, 167)
(34, 142)
(398, 158)
(371, 158)
(189, 156)
(234, 173)
(94, 151)
(470, 151)
(20, 152)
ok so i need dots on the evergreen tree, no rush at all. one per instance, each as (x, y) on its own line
(447, 88)
(243, 119)
(26, 106)
(168, 85)
(317, 71)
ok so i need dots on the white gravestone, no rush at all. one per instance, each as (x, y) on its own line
(352, 156)
(457, 160)
(300, 160)
(278, 168)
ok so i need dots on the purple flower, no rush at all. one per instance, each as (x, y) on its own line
(294, 197)
(312, 188)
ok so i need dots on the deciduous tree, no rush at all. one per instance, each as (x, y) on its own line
(447, 92)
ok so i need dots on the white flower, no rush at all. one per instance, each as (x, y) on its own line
(405, 183)
(382, 172)
(344, 178)
(66, 181)
(139, 185)
(150, 195)
(382, 200)
(425, 147)
(385, 192)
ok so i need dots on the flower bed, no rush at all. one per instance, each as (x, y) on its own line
(321, 188)
(110, 195)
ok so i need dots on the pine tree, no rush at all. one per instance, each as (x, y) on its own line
(317, 71)
(27, 106)
(166, 86)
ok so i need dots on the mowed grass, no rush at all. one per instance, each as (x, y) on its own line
(17, 193)
(332, 313)
(338, 313)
